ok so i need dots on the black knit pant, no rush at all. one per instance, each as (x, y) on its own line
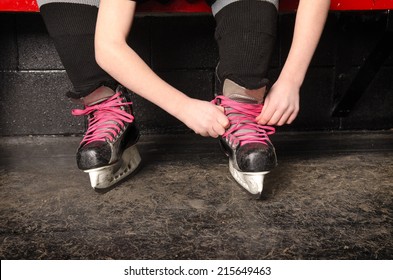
(245, 34)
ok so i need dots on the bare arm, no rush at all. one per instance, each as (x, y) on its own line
(282, 103)
(124, 64)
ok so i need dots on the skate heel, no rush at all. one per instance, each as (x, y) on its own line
(104, 177)
(251, 181)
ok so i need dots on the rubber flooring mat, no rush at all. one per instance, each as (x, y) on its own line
(331, 197)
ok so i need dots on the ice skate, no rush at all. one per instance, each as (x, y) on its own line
(108, 152)
(246, 143)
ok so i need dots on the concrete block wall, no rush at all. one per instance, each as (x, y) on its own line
(182, 50)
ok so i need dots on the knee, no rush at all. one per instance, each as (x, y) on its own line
(245, 34)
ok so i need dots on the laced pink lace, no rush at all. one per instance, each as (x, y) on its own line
(244, 129)
(106, 121)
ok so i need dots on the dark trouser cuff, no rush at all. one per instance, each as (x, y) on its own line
(246, 35)
(72, 28)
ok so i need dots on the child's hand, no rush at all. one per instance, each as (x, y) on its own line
(281, 104)
(204, 118)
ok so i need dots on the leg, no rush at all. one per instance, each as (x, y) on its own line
(108, 151)
(71, 25)
(245, 34)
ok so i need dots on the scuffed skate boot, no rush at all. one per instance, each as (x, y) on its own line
(107, 151)
(246, 143)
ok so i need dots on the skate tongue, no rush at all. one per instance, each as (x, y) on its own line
(99, 95)
(242, 121)
(243, 95)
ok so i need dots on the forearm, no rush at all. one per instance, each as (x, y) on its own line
(122, 63)
(310, 21)
(115, 56)
(282, 103)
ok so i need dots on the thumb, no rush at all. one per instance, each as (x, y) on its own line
(264, 108)
(220, 108)
(265, 104)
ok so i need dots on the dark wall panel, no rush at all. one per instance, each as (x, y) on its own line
(34, 103)
(182, 50)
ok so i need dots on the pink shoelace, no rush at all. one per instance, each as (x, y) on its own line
(107, 120)
(244, 129)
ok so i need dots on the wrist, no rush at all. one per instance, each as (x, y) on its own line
(295, 80)
(179, 106)
(295, 66)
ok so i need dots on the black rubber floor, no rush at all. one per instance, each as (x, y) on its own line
(331, 197)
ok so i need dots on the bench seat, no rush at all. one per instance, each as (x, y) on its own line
(199, 6)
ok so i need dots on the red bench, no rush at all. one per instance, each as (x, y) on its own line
(199, 6)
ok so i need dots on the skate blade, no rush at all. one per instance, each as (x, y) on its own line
(105, 177)
(251, 181)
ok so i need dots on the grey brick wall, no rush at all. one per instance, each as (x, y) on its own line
(182, 50)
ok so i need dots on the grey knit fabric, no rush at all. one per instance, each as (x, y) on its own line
(218, 5)
(86, 2)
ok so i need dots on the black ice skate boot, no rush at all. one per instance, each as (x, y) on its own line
(246, 143)
(108, 151)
